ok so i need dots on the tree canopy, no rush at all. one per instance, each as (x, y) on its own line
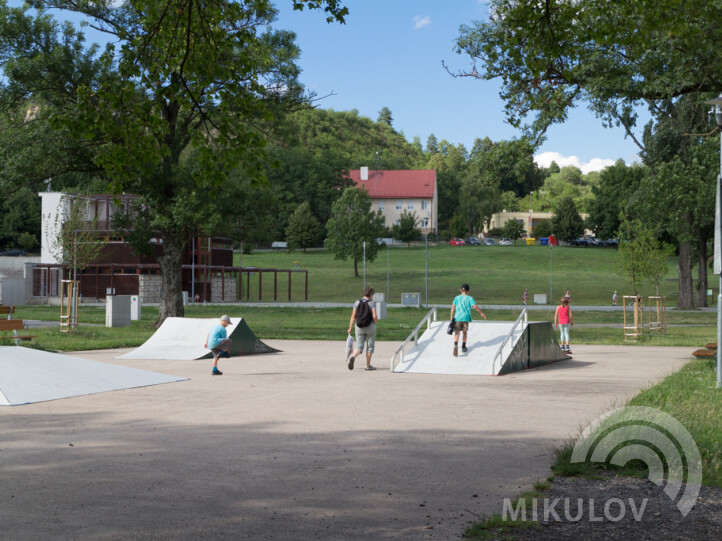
(181, 95)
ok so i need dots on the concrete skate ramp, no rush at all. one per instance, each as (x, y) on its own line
(31, 375)
(531, 345)
(182, 338)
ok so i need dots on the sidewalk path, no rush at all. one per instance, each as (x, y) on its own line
(295, 446)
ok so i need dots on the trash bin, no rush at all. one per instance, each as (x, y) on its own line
(530, 241)
(544, 241)
(553, 240)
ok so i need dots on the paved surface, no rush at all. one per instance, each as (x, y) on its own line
(295, 446)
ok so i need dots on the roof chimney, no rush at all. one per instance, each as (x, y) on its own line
(364, 173)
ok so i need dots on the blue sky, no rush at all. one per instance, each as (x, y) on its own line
(389, 54)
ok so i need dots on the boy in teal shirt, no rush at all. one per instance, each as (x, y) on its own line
(461, 315)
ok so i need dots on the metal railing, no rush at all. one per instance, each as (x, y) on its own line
(524, 319)
(415, 335)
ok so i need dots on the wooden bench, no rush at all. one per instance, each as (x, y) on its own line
(14, 325)
(7, 311)
(709, 352)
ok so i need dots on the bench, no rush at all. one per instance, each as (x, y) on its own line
(7, 311)
(710, 351)
(14, 325)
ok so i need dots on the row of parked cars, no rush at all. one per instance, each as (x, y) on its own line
(594, 241)
(473, 241)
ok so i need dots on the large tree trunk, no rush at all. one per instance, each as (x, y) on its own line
(355, 268)
(684, 268)
(171, 269)
(702, 272)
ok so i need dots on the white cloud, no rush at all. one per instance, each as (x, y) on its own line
(420, 22)
(595, 164)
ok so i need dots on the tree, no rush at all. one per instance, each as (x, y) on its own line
(181, 95)
(616, 190)
(385, 117)
(406, 230)
(513, 229)
(543, 228)
(303, 229)
(73, 237)
(457, 226)
(566, 222)
(552, 55)
(353, 223)
(616, 57)
(641, 256)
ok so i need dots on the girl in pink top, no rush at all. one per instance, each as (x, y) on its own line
(563, 319)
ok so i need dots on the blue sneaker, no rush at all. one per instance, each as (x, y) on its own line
(216, 372)
(225, 354)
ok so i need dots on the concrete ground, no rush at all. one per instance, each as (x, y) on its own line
(295, 446)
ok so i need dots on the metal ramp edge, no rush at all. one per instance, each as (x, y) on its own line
(537, 346)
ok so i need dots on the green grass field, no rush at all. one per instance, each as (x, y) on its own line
(497, 274)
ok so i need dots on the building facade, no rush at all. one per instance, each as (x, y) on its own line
(393, 192)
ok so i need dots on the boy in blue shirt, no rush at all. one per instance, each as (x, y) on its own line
(218, 342)
(461, 315)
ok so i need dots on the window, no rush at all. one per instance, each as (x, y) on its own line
(425, 223)
(410, 205)
(381, 204)
(424, 205)
(399, 205)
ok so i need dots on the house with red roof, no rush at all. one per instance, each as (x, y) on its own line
(393, 192)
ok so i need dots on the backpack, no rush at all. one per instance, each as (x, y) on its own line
(364, 316)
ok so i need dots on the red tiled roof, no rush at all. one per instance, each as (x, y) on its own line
(394, 184)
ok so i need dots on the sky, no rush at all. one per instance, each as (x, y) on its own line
(389, 54)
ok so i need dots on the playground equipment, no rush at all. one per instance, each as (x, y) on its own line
(69, 305)
(634, 323)
(660, 304)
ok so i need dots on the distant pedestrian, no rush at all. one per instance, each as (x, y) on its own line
(218, 342)
(461, 315)
(614, 299)
(525, 296)
(563, 319)
(568, 296)
(364, 319)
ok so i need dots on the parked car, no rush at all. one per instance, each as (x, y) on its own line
(593, 241)
(490, 242)
(612, 243)
(457, 242)
(15, 252)
(473, 241)
(581, 241)
(505, 242)
(279, 245)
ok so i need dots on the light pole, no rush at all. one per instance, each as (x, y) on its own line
(717, 102)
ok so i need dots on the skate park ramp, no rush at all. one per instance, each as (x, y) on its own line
(489, 352)
(182, 338)
(31, 375)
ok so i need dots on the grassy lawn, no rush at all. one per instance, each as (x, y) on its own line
(697, 328)
(497, 274)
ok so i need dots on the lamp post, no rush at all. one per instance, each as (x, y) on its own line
(717, 102)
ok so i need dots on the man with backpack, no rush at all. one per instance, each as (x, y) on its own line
(364, 319)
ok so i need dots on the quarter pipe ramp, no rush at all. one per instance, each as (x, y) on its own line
(182, 338)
